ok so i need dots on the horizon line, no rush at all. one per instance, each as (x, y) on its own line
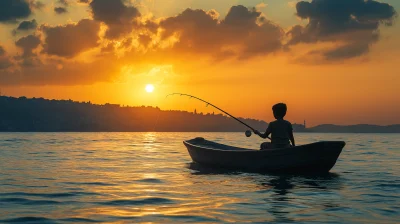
(201, 113)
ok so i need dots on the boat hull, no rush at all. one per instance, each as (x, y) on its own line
(315, 157)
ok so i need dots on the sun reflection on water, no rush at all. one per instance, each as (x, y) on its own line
(149, 177)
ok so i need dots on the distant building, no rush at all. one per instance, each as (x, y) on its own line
(108, 105)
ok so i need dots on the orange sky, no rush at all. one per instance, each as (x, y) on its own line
(243, 59)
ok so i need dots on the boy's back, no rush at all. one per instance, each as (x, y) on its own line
(280, 132)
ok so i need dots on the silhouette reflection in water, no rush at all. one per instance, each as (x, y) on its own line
(281, 188)
(287, 198)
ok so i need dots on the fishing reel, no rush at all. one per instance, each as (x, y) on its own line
(248, 133)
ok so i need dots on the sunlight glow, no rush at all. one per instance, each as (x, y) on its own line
(149, 88)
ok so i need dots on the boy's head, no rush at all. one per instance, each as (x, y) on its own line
(279, 110)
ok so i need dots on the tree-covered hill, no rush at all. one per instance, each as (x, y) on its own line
(38, 114)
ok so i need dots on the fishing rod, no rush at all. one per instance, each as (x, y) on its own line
(208, 103)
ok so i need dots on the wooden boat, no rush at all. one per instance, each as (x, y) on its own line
(315, 157)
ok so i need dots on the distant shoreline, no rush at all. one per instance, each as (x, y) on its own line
(303, 132)
(42, 115)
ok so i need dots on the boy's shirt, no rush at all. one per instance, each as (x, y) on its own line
(280, 130)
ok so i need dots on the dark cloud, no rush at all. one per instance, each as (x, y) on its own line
(2, 51)
(243, 32)
(260, 35)
(72, 39)
(116, 15)
(28, 44)
(37, 4)
(240, 15)
(347, 51)
(144, 40)
(27, 25)
(63, 2)
(5, 63)
(4, 60)
(150, 26)
(199, 34)
(10, 10)
(126, 43)
(56, 72)
(60, 10)
(185, 39)
(353, 23)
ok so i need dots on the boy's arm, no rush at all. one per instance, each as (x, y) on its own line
(291, 137)
(265, 135)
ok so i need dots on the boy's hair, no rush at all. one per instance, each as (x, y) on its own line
(279, 110)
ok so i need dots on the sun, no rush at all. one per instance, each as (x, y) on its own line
(149, 88)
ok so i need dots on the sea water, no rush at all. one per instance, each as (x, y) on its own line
(149, 177)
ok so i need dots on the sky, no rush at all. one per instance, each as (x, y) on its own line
(330, 61)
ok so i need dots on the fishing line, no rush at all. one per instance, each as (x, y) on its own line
(210, 104)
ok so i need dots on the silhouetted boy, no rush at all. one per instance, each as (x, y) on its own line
(281, 130)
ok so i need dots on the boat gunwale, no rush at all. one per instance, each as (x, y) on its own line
(224, 150)
(253, 150)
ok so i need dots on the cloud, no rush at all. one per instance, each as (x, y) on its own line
(35, 67)
(60, 10)
(353, 24)
(77, 53)
(10, 10)
(238, 15)
(5, 61)
(242, 33)
(116, 15)
(28, 44)
(59, 72)
(347, 51)
(27, 25)
(145, 40)
(36, 4)
(109, 48)
(261, 5)
(71, 39)
(63, 2)
(2, 51)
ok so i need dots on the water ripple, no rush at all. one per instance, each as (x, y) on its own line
(150, 178)
(145, 201)
(24, 201)
(50, 195)
(90, 183)
(80, 220)
(28, 219)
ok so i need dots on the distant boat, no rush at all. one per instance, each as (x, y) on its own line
(316, 157)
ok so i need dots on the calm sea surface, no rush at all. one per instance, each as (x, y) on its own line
(149, 177)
